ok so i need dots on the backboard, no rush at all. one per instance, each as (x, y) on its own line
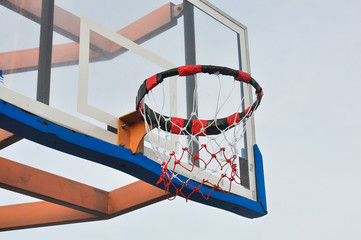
(100, 55)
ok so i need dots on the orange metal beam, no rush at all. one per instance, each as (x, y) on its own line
(7, 138)
(65, 23)
(68, 25)
(39, 214)
(43, 185)
(152, 24)
(29, 9)
(27, 59)
(133, 196)
(79, 202)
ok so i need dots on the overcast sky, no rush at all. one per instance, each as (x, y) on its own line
(307, 56)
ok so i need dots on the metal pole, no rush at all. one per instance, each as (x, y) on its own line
(242, 93)
(190, 59)
(45, 51)
(243, 161)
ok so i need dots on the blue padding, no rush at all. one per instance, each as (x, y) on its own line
(42, 131)
(261, 189)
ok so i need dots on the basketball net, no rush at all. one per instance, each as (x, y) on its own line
(191, 160)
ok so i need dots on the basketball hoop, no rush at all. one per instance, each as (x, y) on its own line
(212, 165)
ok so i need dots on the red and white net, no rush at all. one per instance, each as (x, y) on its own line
(195, 163)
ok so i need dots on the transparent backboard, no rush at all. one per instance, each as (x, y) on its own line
(103, 51)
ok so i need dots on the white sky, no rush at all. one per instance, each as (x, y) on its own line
(306, 55)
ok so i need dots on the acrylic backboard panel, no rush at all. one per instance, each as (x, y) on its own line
(103, 51)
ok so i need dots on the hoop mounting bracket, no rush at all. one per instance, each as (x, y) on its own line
(131, 131)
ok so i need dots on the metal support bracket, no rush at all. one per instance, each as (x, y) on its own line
(131, 132)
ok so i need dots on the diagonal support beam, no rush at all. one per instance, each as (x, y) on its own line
(68, 25)
(40, 214)
(134, 196)
(7, 138)
(43, 185)
(65, 23)
(69, 201)
(27, 60)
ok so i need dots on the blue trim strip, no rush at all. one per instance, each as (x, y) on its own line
(34, 128)
(261, 189)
